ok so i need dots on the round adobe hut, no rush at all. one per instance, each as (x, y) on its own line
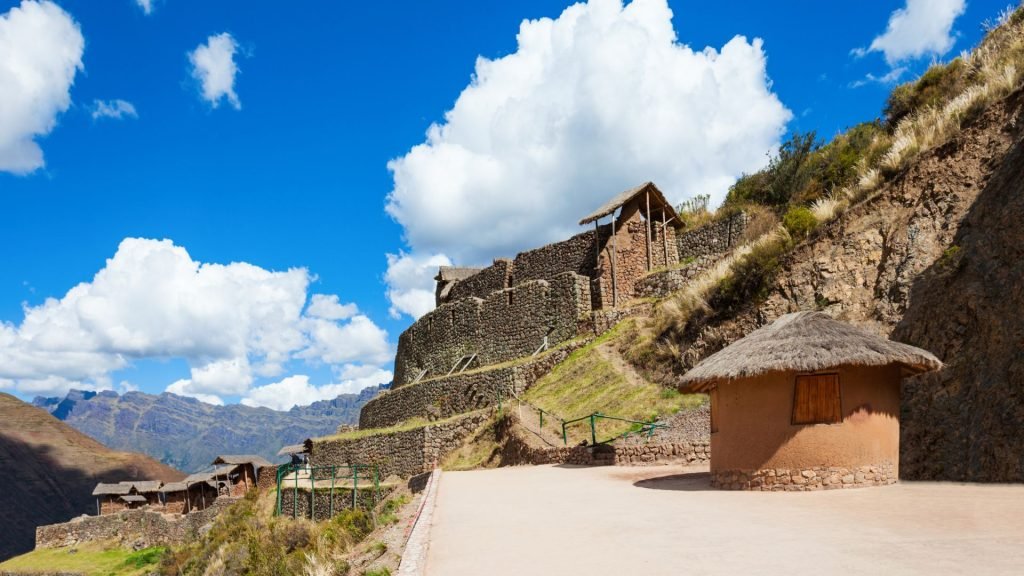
(806, 403)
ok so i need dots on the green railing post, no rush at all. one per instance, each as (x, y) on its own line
(355, 485)
(541, 412)
(593, 430)
(312, 494)
(295, 496)
(280, 476)
(334, 470)
(565, 439)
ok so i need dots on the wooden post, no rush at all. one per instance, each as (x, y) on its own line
(664, 234)
(647, 221)
(98, 513)
(615, 294)
(597, 246)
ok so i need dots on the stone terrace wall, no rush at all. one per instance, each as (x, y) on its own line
(342, 497)
(497, 276)
(818, 478)
(714, 238)
(509, 324)
(459, 393)
(665, 282)
(144, 527)
(576, 254)
(404, 453)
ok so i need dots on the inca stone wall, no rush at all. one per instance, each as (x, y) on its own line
(444, 397)
(497, 276)
(818, 478)
(134, 527)
(400, 453)
(714, 238)
(323, 508)
(662, 283)
(506, 325)
(576, 254)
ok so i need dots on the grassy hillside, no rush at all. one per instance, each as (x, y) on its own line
(93, 559)
(50, 470)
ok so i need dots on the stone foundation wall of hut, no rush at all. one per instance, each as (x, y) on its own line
(402, 453)
(143, 527)
(816, 478)
(112, 505)
(448, 396)
(716, 237)
(508, 324)
(323, 509)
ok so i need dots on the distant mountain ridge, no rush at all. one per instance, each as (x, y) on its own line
(50, 470)
(188, 434)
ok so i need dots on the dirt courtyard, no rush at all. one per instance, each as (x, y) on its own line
(543, 520)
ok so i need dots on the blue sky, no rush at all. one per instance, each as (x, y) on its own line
(297, 176)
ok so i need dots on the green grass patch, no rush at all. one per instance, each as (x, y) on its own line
(479, 451)
(587, 382)
(410, 424)
(94, 559)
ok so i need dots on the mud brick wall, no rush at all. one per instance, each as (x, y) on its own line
(714, 238)
(497, 276)
(444, 397)
(134, 527)
(509, 324)
(402, 453)
(321, 500)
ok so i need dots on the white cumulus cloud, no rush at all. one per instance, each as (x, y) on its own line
(214, 67)
(116, 109)
(328, 307)
(410, 280)
(230, 322)
(601, 99)
(921, 28)
(41, 50)
(298, 391)
(146, 5)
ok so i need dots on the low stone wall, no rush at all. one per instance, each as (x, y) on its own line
(401, 453)
(267, 478)
(665, 282)
(817, 478)
(143, 528)
(495, 277)
(321, 499)
(713, 238)
(459, 393)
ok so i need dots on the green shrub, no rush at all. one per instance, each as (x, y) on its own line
(799, 221)
(785, 176)
(378, 572)
(749, 279)
(939, 84)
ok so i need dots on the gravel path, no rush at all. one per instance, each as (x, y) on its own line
(664, 520)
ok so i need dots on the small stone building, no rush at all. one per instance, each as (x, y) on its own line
(173, 495)
(200, 491)
(806, 403)
(108, 497)
(237, 473)
(149, 490)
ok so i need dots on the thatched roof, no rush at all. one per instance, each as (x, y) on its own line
(105, 489)
(146, 486)
(173, 487)
(449, 273)
(236, 459)
(133, 498)
(198, 477)
(293, 449)
(658, 203)
(805, 342)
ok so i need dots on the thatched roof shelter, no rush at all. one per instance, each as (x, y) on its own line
(147, 486)
(805, 342)
(237, 459)
(133, 498)
(107, 489)
(292, 449)
(451, 273)
(173, 487)
(658, 204)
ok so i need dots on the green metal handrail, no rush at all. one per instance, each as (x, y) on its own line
(352, 471)
(649, 427)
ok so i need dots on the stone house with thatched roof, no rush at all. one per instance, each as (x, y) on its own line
(108, 497)
(805, 403)
(237, 473)
(174, 496)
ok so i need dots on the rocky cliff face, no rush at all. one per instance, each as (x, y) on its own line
(934, 259)
(189, 434)
(50, 470)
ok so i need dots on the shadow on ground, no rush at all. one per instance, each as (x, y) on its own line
(686, 482)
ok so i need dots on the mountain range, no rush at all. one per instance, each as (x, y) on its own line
(50, 470)
(188, 434)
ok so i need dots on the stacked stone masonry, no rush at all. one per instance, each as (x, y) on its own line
(665, 282)
(134, 527)
(368, 499)
(508, 324)
(496, 277)
(448, 396)
(715, 238)
(818, 478)
(402, 453)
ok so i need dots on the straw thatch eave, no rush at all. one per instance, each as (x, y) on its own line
(236, 459)
(658, 203)
(804, 342)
